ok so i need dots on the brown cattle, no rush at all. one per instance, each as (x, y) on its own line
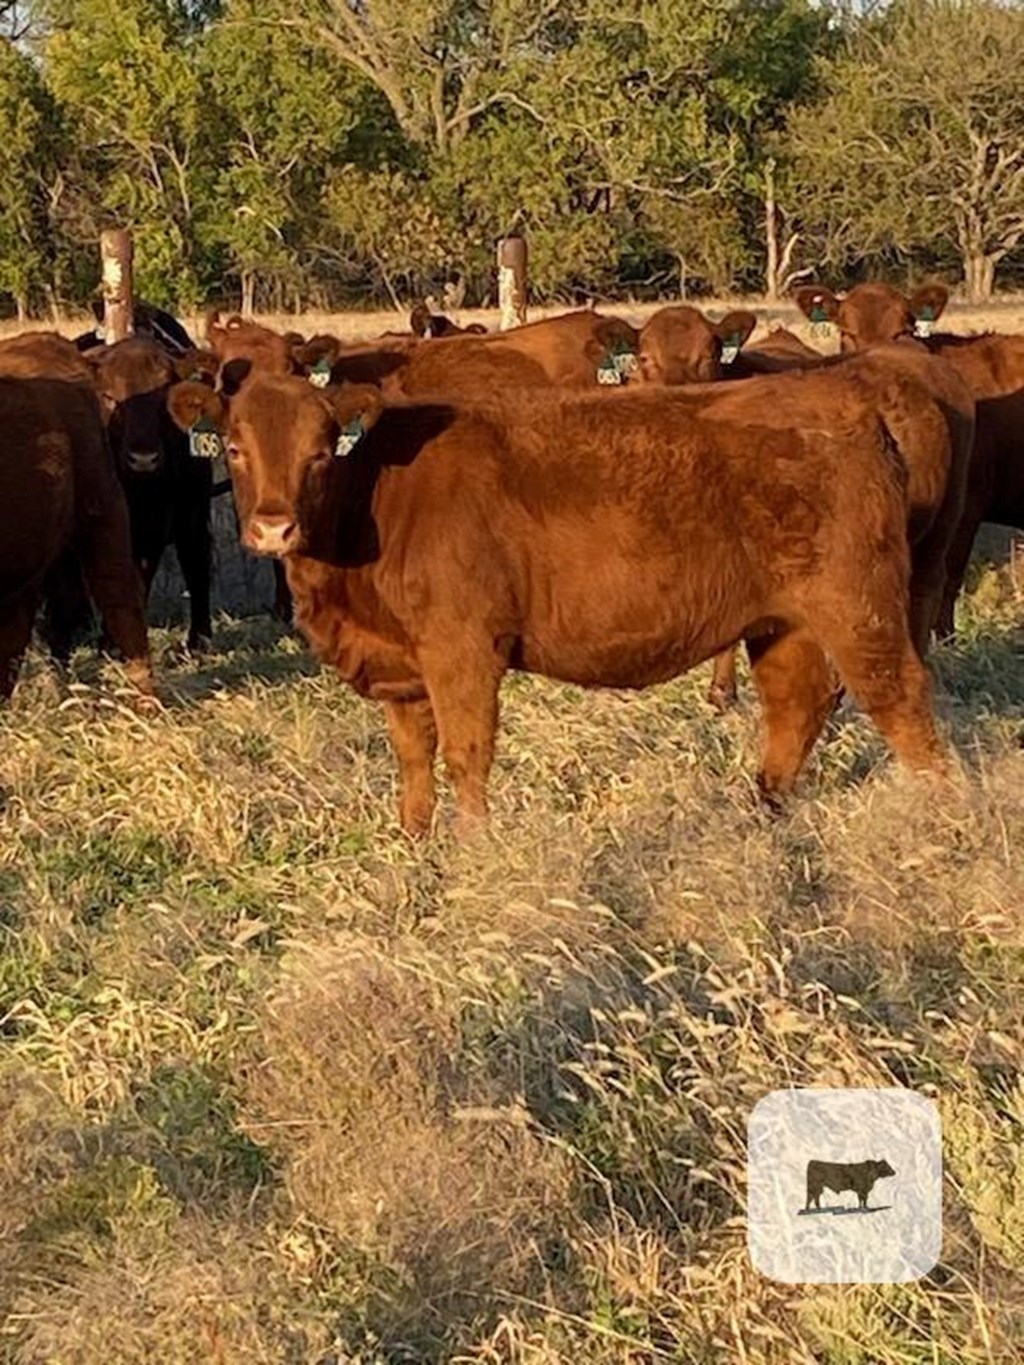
(574, 350)
(779, 351)
(43, 355)
(58, 492)
(233, 339)
(991, 365)
(872, 314)
(679, 345)
(929, 414)
(607, 539)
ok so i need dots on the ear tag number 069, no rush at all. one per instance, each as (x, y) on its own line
(204, 441)
(348, 438)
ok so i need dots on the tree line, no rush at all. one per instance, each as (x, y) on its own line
(295, 154)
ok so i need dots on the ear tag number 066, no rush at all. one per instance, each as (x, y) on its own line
(204, 441)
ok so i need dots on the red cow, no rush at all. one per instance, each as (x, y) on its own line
(606, 539)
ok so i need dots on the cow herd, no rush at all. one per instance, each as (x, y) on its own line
(573, 497)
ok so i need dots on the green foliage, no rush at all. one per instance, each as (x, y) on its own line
(317, 152)
(918, 147)
(25, 119)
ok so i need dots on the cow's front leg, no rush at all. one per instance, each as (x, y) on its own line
(413, 733)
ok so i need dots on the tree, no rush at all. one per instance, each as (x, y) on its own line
(127, 78)
(920, 141)
(284, 119)
(25, 153)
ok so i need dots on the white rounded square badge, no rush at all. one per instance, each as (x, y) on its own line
(844, 1186)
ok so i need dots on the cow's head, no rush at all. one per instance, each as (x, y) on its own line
(679, 345)
(132, 379)
(231, 339)
(882, 1169)
(288, 446)
(873, 314)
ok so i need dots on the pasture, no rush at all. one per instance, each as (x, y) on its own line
(280, 1086)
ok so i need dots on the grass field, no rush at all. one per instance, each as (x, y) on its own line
(277, 1086)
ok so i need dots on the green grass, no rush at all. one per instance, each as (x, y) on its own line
(278, 1086)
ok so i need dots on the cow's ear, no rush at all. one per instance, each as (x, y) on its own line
(233, 375)
(419, 320)
(190, 402)
(928, 302)
(735, 329)
(317, 352)
(817, 303)
(354, 405)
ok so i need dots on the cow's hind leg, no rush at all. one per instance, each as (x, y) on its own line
(15, 632)
(797, 689)
(413, 733)
(115, 587)
(722, 691)
(880, 666)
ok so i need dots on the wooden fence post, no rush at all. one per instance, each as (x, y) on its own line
(118, 294)
(512, 262)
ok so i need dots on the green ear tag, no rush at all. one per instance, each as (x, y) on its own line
(731, 348)
(818, 313)
(924, 321)
(204, 440)
(320, 374)
(349, 437)
(608, 371)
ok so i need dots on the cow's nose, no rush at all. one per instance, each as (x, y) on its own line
(272, 535)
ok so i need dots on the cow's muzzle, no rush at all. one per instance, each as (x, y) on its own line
(143, 461)
(277, 536)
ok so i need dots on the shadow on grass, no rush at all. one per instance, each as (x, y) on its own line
(258, 649)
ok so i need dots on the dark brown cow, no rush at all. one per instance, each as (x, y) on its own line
(612, 539)
(679, 345)
(58, 491)
(991, 365)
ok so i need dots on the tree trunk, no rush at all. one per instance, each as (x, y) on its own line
(21, 305)
(248, 293)
(979, 276)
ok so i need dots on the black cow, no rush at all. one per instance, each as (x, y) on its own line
(148, 321)
(168, 489)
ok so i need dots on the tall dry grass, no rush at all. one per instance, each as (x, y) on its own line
(278, 1086)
